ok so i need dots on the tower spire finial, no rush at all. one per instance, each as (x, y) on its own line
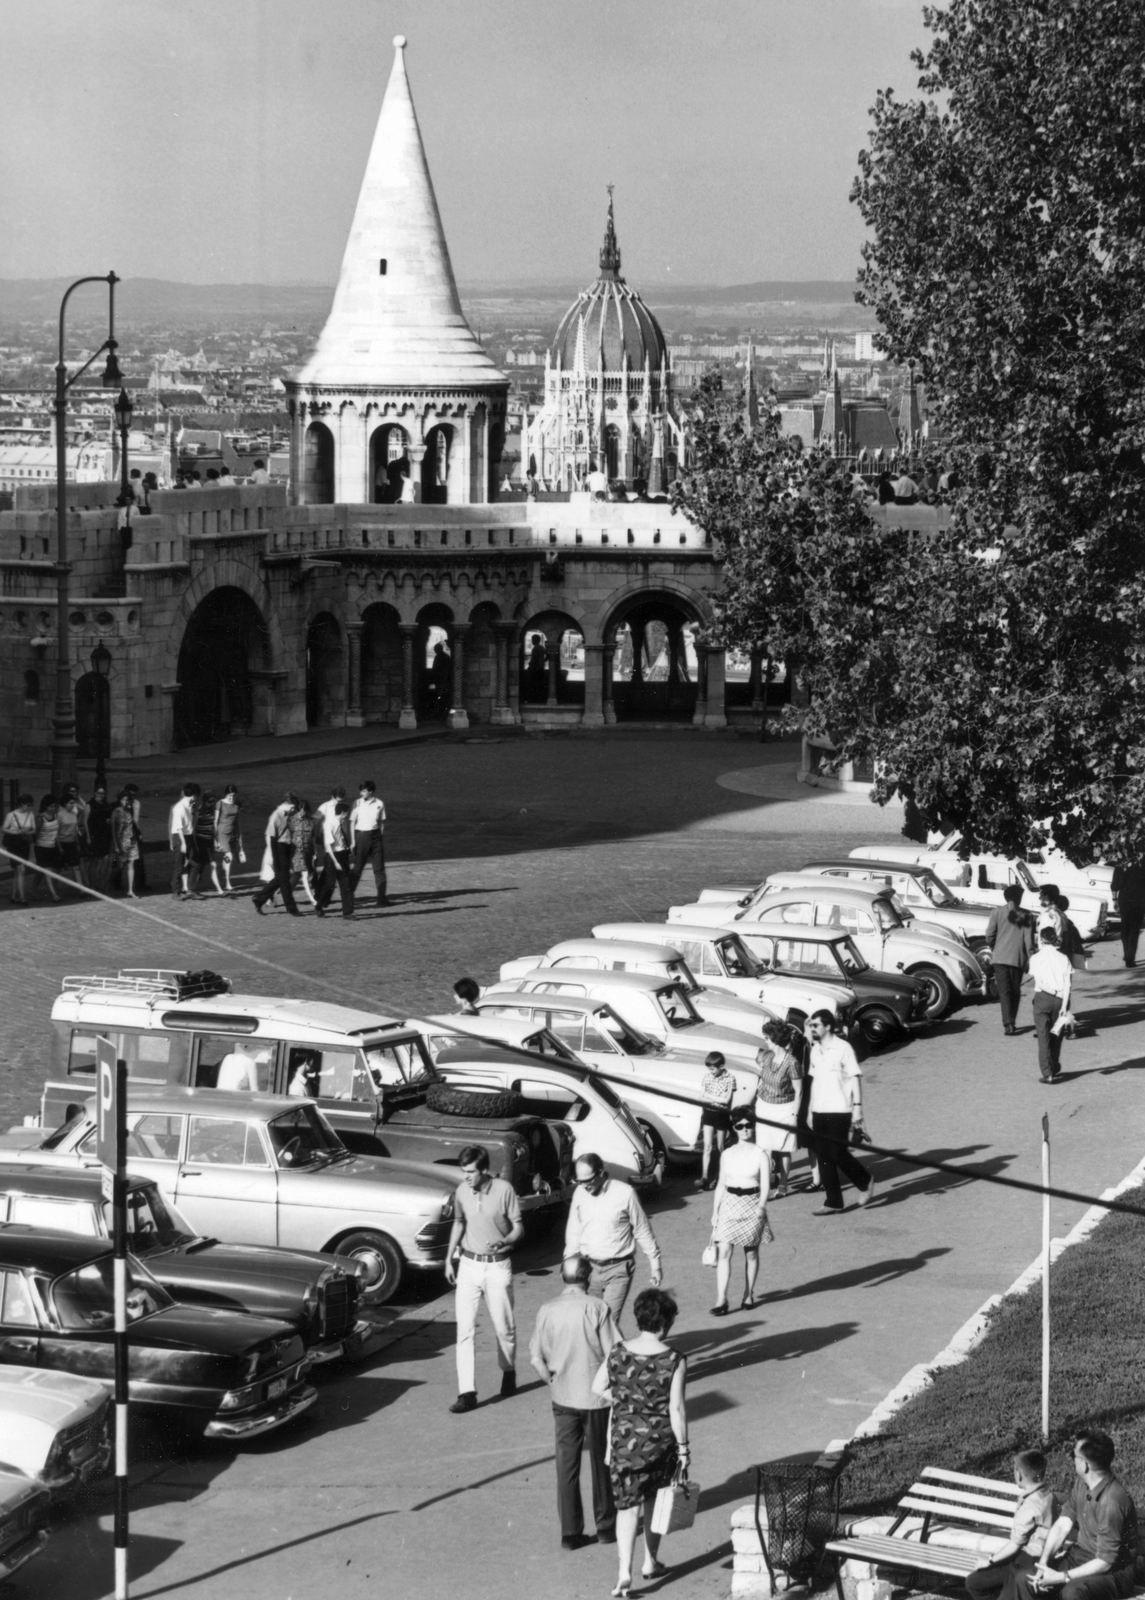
(610, 250)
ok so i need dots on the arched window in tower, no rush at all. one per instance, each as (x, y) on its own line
(395, 445)
(442, 466)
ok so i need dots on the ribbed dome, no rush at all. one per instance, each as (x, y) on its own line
(611, 317)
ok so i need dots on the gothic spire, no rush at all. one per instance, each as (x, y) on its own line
(610, 249)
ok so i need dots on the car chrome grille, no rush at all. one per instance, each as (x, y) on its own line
(80, 1440)
(335, 1312)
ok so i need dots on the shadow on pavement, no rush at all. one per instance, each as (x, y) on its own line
(789, 1346)
(479, 1483)
(245, 1561)
(871, 1276)
(79, 1562)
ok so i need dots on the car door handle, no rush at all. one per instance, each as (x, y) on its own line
(26, 1346)
(190, 1172)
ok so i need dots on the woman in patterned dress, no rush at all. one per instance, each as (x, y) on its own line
(302, 825)
(739, 1210)
(777, 1097)
(643, 1380)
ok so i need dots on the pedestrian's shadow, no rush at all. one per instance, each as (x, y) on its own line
(873, 1275)
(792, 1345)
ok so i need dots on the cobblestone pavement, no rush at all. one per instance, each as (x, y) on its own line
(499, 849)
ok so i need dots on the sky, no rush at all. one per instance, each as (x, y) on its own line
(223, 141)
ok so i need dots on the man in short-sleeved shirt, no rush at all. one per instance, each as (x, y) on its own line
(368, 822)
(836, 1104)
(1101, 1519)
(486, 1225)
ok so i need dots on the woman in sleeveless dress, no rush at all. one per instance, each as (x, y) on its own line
(19, 831)
(228, 835)
(643, 1380)
(739, 1210)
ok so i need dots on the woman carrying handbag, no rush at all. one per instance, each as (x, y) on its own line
(739, 1210)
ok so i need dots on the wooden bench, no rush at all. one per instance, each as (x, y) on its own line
(942, 1498)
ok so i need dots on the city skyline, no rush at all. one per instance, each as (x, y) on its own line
(731, 135)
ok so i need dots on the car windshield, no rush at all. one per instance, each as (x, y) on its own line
(848, 956)
(85, 1299)
(151, 1221)
(677, 1010)
(886, 914)
(737, 958)
(1025, 877)
(396, 1063)
(546, 1043)
(629, 1040)
(303, 1138)
(935, 890)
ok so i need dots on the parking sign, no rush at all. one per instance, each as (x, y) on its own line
(111, 1105)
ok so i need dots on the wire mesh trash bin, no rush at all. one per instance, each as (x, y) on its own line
(802, 1504)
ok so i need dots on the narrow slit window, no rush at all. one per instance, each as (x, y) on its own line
(382, 267)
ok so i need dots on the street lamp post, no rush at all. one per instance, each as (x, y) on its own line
(64, 721)
(123, 413)
(101, 667)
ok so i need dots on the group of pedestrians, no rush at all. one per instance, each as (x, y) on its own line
(1044, 949)
(95, 843)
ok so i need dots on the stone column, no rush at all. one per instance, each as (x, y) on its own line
(512, 669)
(553, 662)
(675, 645)
(408, 718)
(608, 661)
(416, 453)
(350, 465)
(715, 715)
(699, 716)
(457, 713)
(502, 636)
(354, 717)
(637, 631)
(593, 686)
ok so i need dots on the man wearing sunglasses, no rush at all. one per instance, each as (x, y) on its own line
(606, 1223)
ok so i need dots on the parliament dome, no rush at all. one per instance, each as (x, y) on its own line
(609, 320)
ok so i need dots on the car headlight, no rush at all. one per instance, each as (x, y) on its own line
(236, 1399)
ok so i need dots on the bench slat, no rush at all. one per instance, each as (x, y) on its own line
(942, 1511)
(1010, 1490)
(960, 1497)
(883, 1551)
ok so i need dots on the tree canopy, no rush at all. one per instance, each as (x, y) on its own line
(994, 670)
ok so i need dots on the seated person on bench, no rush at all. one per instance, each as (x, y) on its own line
(1034, 1515)
(1100, 1519)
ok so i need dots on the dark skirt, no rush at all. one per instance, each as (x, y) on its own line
(18, 844)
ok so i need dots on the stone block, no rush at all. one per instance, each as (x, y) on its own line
(752, 1584)
(746, 1539)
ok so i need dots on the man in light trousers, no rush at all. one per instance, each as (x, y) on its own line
(606, 1222)
(486, 1225)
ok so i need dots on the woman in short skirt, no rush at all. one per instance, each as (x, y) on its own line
(739, 1210)
(46, 847)
(19, 831)
(777, 1098)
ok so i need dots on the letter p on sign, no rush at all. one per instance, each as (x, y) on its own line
(110, 1105)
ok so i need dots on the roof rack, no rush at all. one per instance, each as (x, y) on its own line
(160, 982)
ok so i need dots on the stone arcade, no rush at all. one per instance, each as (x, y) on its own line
(257, 610)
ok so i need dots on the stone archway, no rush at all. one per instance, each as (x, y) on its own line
(552, 661)
(656, 669)
(317, 487)
(381, 664)
(433, 657)
(439, 466)
(325, 673)
(389, 463)
(224, 660)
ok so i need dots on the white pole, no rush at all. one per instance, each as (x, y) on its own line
(1045, 1279)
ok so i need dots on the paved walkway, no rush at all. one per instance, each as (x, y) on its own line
(503, 850)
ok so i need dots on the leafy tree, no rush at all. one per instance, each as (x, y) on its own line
(996, 670)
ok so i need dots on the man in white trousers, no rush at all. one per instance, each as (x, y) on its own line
(486, 1225)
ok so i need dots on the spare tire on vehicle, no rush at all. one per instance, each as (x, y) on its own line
(452, 1101)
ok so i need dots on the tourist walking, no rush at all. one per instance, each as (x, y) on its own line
(643, 1380)
(605, 1223)
(1010, 935)
(181, 831)
(571, 1340)
(124, 843)
(836, 1109)
(99, 839)
(718, 1087)
(777, 1098)
(332, 854)
(72, 837)
(302, 863)
(132, 790)
(19, 832)
(228, 840)
(486, 1225)
(280, 843)
(45, 846)
(1051, 973)
(367, 823)
(203, 841)
(1049, 915)
(1129, 889)
(739, 1210)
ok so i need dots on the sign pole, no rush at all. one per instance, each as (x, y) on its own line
(111, 1140)
(1045, 1279)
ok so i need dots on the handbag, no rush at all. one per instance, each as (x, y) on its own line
(710, 1255)
(675, 1506)
(1065, 1023)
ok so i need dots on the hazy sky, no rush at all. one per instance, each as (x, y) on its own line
(224, 140)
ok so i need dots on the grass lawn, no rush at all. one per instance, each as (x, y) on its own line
(975, 1415)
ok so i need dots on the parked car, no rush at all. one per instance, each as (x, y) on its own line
(662, 1087)
(725, 962)
(986, 876)
(725, 1009)
(368, 1072)
(658, 1007)
(887, 1005)
(1046, 864)
(54, 1427)
(919, 890)
(888, 941)
(25, 1508)
(564, 1090)
(260, 1169)
(317, 1294)
(235, 1374)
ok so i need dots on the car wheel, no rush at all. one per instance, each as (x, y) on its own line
(877, 1025)
(939, 991)
(658, 1151)
(449, 1100)
(382, 1260)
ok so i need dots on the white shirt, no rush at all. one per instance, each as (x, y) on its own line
(237, 1071)
(609, 1225)
(183, 815)
(368, 815)
(259, 475)
(834, 1076)
(1051, 972)
(334, 827)
(278, 827)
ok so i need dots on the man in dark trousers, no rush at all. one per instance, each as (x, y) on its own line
(332, 854)
(1129, 887)
(1010, 935)
(281, 854)
(572, 1337)
(368, 822)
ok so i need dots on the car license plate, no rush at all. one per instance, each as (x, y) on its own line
(276, 1387)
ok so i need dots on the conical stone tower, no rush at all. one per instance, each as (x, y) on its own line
(398, 401)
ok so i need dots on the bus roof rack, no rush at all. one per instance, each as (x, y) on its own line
(160, 982)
